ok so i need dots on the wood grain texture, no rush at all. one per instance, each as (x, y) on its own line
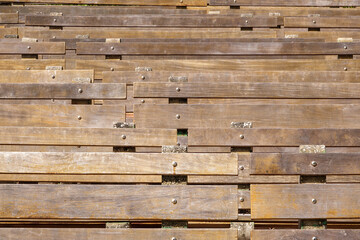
(62, 91)
(316, 3)
(298, 200)
(118, 234)
(273, 137)
(269, 115)
(61, 115)
(322, 22)
(87, 136)
(119, 163)
(7, 31)
(299, 163)
(8, 18)
(118, 202)
(331, 234)
(32, 48)
(175, 20)
(247, 90)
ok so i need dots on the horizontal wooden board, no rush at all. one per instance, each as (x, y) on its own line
(46, 76)
(305, 164)
(118, 202)
(61, 115)
(30, 64)
(261, 115)
(62, 91)
(120, 2)
(9, 18)
(117, 234)
(272, 101)
(119, 163)
(322, 22)
(317, 3)
(343, 179)
(15, 47)
(129, 77)
(5, 32)
(148, 20)
(273, 137)
(87, 136)
(331, 234)
(331, 201)
(331, 35)
(247, 90)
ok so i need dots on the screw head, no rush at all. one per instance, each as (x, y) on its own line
(345, 68)
(242, 167)
(27, 68)
(241, 199)
(314, 163)
(79, 117)
(28, 47)
(80, 90)
(242, 136)
(173, 238)
(53, 76)
(142, 101)
(178, 89)
(246, 21)
(53, 37)
(177, 116)
(123, 136)
(181, 1)
(345, 47)
(174, 201)
(112, 48)
(142, 77)
(314, 201)
(314, 238)
(112, 69)
(55, 19)
(314, 21)
(174, 164)
(234, 1)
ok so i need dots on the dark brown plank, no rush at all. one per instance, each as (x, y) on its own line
(32, 48)
(305, 164)
(118, 202)
(322, 22)
(317, 3)
(273, 137)
(305, 201)
(330, 234)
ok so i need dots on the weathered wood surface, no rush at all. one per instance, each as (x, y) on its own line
(305, 164)
(334, 201)
(87, 136)
(322, 22)
(8, 18)
(62, 91)
(317, 3)
(30, 64)
(32, 48)
(5, 32)
(247, 90)
(118, 202)
(331, 234)
(61, 115)
(149, 20)
(330, 35)
(46, 76)
(273, 137)
(119, 163)
(265, 115)
(117, 234)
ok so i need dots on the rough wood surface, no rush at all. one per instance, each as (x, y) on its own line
(343, 22)
(8, 18)
(32, 48)
(30, 64)
(118, 202)
(331, 234)
(317, 3)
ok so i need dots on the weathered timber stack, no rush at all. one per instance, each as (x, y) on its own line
(180, 119)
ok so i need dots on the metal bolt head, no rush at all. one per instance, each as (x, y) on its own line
(55, 20)
(234, 1)
(123, 136)
(314, 21)
(345, 68)
(142, 101)
(53, 37)
(246, 21)
(112, 69)
(314, 201)
(181, 1)
(174, 201)
(53, 76)
(27, 68)
(314, 163)
(345, 47)
(314, 238)
(241, 199)
(79, 117)
(242, 167)
(178, 89)
(112, 48)
(177, 116)
(173, 238)
(28, 47)
(142, 77)
(80, 90)
(242, 136)
(174, 164)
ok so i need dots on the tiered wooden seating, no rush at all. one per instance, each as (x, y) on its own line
(179, 119)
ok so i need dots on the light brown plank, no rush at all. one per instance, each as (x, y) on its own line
(30, 64)
(273, 137)
(317, 3)
(61, 115)
(118, 202)
(325, 22)
(62, 91)
(343, 179)
(32, 48)
(7, 32)
(117, 234)
(119, 163)
(8, 18)
(87, 136)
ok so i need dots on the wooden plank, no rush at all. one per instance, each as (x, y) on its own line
(119, 202)
(39, 148)
(116, 234)
(118, 163)
(4, 32)
(30, 64)
(46, 76)
(244, 199)
(293, 3)
(322, 22)
(331, 234)
(149, 20)
(32, 48)
(243, 177)
(247, 90)
(273, 137)
(120, 2)
(343, 179)
(62, 91)
(9, 18)
(129, 77)
(329, 36)
(305, 164)
(271, 101)
(61, 115)
(299, 201)
(261, 115)
(87, 136)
